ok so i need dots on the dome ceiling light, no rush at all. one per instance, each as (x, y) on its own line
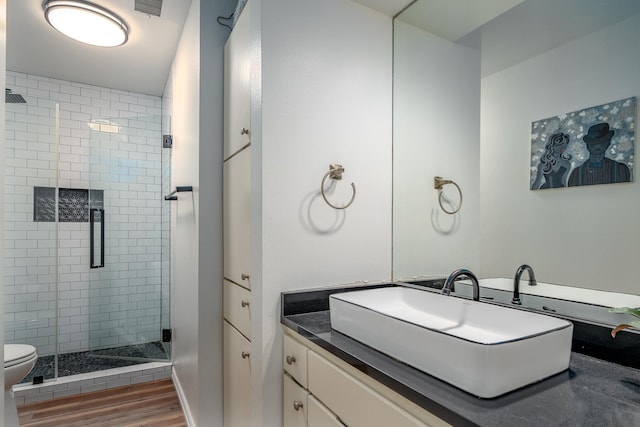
(86, 22)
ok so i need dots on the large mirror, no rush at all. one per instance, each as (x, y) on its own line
(469, 81)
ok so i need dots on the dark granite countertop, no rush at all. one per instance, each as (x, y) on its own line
(592, 392)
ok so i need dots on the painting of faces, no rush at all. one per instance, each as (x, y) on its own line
(586, 147)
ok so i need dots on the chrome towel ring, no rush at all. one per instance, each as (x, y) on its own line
(438, 183)
(335, 172)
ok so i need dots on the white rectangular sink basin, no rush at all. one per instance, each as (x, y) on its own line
(484, 349)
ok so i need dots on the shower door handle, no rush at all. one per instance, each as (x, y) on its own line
(96, 238)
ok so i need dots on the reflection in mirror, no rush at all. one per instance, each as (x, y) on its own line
(467, 88)
(566, 301)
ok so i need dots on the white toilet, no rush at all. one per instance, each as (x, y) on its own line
(19, 360)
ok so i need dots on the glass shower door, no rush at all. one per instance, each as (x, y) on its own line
(128, 243)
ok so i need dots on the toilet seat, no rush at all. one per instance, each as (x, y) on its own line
(15, 354)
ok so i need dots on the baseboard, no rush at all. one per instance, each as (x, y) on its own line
(183, 401)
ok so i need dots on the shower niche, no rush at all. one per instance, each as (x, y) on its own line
(73, 205)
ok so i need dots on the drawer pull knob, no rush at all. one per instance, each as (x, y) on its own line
(291, 360)
(245, 354)
(244, 131)
(244, 276)
(244, 303)
(297, 405)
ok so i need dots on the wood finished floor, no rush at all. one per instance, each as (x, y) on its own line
(153, 404)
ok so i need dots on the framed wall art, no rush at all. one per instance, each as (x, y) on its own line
(591, 146)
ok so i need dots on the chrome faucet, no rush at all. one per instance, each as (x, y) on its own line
(448, 284)
(516, 282)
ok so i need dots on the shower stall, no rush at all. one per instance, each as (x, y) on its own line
(87, 231)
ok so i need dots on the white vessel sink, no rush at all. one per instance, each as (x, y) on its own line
(484, 349)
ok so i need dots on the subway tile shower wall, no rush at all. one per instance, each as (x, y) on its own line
(108, 140)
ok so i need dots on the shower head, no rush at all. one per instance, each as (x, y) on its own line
(13, 98)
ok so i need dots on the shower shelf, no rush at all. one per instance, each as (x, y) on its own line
(179, 189)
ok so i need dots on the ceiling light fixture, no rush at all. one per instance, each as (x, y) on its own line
(86, 22)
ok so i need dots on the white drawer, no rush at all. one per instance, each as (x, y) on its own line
(294, 406)
(294, 360)
(237, 307)
(319, 415)
(353, 402)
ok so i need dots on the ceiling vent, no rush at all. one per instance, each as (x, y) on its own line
(150, 7)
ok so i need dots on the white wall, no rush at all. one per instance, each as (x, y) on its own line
(193, 98)
(325, 98)
(212, 39)
(182, 90)
(584, 236)
(436, 133)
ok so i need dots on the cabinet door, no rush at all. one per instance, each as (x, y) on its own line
(237, 378)
(354, 402)
(294, 360)
(237, 218)
(237, 93)
(319, 415)
(294, 411)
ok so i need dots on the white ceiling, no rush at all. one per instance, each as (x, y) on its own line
(453, 19)
(542, 25)
(141, 65)
(510, 31)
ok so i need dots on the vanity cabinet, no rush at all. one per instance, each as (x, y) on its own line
(336, 394)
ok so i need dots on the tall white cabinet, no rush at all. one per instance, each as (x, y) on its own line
(237, 226)
(312, 98)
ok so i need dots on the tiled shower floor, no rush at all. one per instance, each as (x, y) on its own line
(97, 360)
